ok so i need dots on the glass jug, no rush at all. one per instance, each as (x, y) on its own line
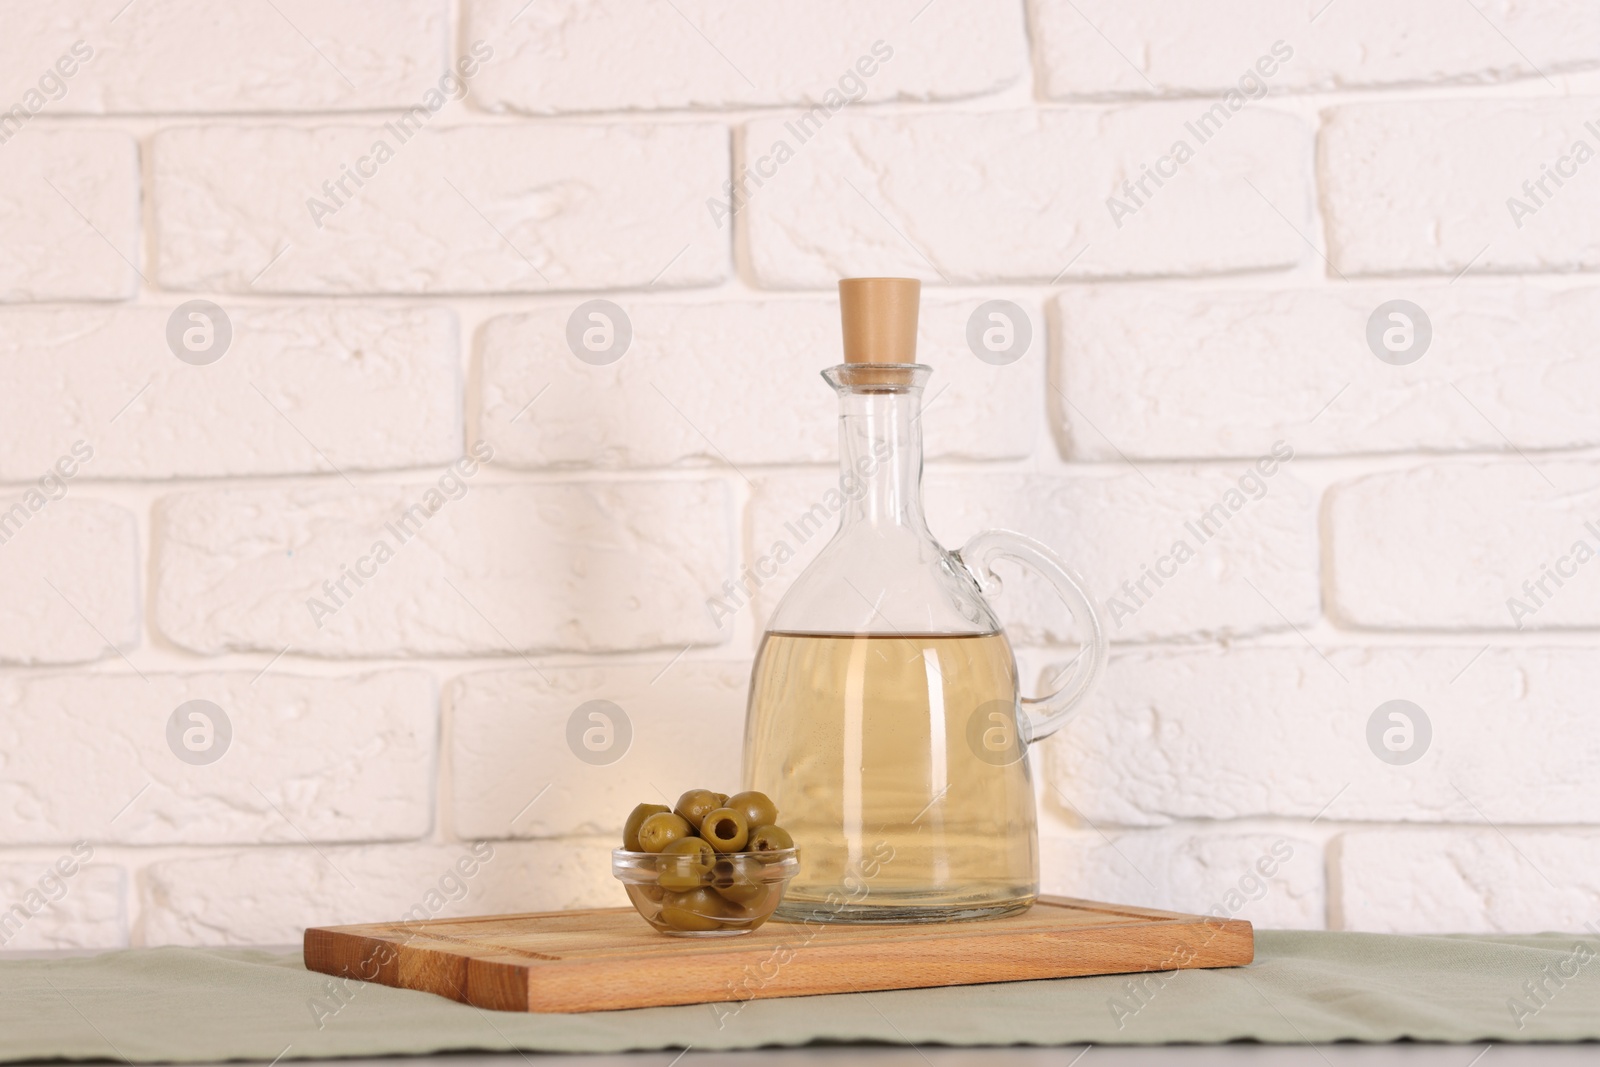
(884, 718)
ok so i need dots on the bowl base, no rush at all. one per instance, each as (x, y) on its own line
(703, 933)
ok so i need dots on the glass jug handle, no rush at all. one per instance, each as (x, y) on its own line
(1048, 713)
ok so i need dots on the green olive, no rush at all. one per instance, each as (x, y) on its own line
(636, 818)
(695, 804)
(770, 839)
(689, 863)
(757, 808)
(698, 909)
(695, 847)
(751, 896)
(733, 881)
(661, 830)
(726, 829)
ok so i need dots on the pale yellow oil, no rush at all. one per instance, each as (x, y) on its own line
(887, 758)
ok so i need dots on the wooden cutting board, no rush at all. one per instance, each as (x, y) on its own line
(605, 959)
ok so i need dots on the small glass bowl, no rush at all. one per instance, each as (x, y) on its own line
(733, 896)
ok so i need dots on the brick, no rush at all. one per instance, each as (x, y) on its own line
(1467, 880)
(717, 53)
(174, 56)
(1156, 372)
(1450, 546)
(510, 743)
(43, 908)
(667, 400)
(80, 239)
(1148, 48)
(1020, 196)
(491, 570)
(1293, 725)
(1215, 873)
(296, 389)
(1429, 187)
(475, 209)
(1108, 528)
(318, 759)
(269, 897)
(88, 550)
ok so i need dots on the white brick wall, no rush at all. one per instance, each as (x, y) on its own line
(1212, 373)
(298, 390)
(867, 194)
(1206, 214)
(69, 207)
(1168, 49)
(1395, 204)
(1290, 725)
(515, 774)
(476, 209)
(1492, 546)
(70, 571)
(290, 55)
(668, 401)
(1471, 878)
(590, 58)
(64, 904)
(293, 749)
(269, 896)
(443, 572)
(1271, 879)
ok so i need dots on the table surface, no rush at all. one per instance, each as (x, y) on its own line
(933, 1055)
(1399, 1055)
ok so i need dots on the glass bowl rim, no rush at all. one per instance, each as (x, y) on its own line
(640, 868)
(779, 853)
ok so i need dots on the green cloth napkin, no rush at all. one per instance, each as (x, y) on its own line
(176, 1004)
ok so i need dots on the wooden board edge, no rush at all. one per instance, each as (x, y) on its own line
(391, 961)
(331, 951)
(1228, 943)
(600, 985)
(385, 953)
(503, 983)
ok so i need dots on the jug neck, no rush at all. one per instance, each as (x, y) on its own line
(880, 443)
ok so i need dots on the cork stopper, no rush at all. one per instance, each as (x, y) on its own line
(880, 319)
